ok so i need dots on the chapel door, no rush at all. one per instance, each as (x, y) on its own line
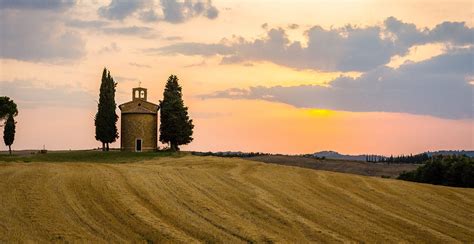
(138, 145)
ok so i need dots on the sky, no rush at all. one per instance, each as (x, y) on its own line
(357, 77)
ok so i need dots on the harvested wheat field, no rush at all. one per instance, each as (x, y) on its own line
(207, 199)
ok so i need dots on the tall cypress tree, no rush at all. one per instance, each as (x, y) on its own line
(176, 128)
(7, 108)
(106, 118)
(9, 132)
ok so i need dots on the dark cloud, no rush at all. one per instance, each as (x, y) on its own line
(438, 87)
(120, 9)
(30, 95)
(37, 4)
(212, 12)
(149, 16)
(406, 34)
(456, 33)
(348, 48)
(37, 36)
(172, 11)
(178, 12)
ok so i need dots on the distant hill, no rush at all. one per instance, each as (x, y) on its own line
(336, 155)
(452, 152)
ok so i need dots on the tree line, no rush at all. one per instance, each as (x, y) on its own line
(176, 127)
(448, 170)
(409, 159)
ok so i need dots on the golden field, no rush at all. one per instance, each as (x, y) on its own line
(209, 199)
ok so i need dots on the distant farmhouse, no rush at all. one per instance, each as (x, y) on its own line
(139, 123)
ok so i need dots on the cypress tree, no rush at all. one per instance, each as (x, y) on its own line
(176, 128)
(9, 132)
(7, 108)
(106, 118)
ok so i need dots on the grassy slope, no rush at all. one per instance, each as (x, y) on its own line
(187, 199)
(85, 156)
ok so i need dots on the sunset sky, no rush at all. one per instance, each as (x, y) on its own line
(368, 76)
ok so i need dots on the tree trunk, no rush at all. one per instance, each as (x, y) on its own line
(174, 146)
(107, 146)
(10, 149)
(103, 147)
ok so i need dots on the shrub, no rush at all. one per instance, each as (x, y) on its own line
(444, 170)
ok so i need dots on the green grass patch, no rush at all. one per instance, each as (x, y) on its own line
(89, 156)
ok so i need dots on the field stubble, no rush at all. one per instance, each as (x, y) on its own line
(207, 199)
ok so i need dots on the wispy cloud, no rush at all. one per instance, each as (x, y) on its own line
(202, 63)
(30, 94)
(142, 31)
(113, 47)
(173, 38)
(139, 65)
(108, 27)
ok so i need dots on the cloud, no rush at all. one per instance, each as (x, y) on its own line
(86, 24)
(193, 48)
(178, 12)
(453, 32)
(348, 48)
(113, 47)
(29, 95)
(293, 26)
(173, 38)
(171, 11)
(139, 65)
(37, 5)
(406, 34)
(143, 31)
(120, 9)
(202, 63)
(108, 28)
(37, 36)
(438, 87)
(149, 16)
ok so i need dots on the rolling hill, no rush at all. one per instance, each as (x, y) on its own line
(339, 165)
(209, 199)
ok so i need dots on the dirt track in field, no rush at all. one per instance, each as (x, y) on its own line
(206, 199)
